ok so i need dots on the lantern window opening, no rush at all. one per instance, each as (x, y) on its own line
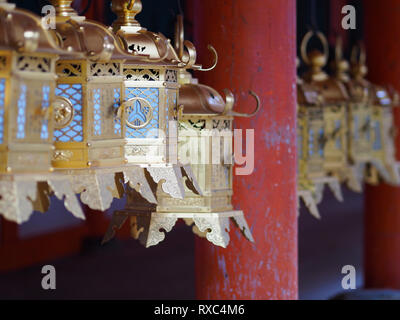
(116, 105)
(378, 140)
(45, 106)
(97, 114)
(21, 117)
(73, 132)
(144, 119)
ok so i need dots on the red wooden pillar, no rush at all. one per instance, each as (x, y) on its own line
(382, 205)
(256, 41)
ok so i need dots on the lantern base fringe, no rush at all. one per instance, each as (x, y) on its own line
(150, 227)
(309, 201)
(22, 194)
(333, 184)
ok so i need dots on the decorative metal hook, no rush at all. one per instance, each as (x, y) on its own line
(229, 99)
(212, 49)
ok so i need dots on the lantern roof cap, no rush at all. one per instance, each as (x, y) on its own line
(86, 38)
(138, 41)
(23, 31)
(201, 99)
(308, 94)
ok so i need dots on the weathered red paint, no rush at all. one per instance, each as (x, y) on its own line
(382, 204)
(256, 42)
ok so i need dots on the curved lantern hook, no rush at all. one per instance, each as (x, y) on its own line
(191, 55)
(230, 100)
(212, 49)
(306, 40)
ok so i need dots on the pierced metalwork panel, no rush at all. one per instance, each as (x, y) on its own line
(2, 102)
(222, 125)
(132, 74)
(171, 76)
(33, 64)
(74, 131)
(69, 69)
(106, 101)
(105, 69)
(143, 118)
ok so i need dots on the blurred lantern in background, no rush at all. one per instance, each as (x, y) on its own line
(28, 55)
(327, 141)
(358, 119)
(310, 128)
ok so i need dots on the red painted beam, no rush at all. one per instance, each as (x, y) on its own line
(382, 204)
(256, 41)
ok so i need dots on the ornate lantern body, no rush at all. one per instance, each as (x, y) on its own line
(359, 111)
(28, 55)
(151, 90)
(383, 158)
(205, 141)
(151, 99)
(91, 134)
(326, 122)
(310, 133)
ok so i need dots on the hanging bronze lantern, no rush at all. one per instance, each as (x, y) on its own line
(151, 98)
(28, 55)
(324, 117)
(89, 131)
(309, 151)
(359, 111)
(384, 165)
(205, 141)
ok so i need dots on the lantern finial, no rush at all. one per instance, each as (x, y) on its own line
(64, 8)
(340, 65)
(359, 68)
(126, 11)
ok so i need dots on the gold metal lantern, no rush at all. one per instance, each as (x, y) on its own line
(151, 91)
(384, 165)
(28, 55)
(205, 141)
(359, 110)
(91, 127)
(89, 131)
(322, 116)
(309, 152)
